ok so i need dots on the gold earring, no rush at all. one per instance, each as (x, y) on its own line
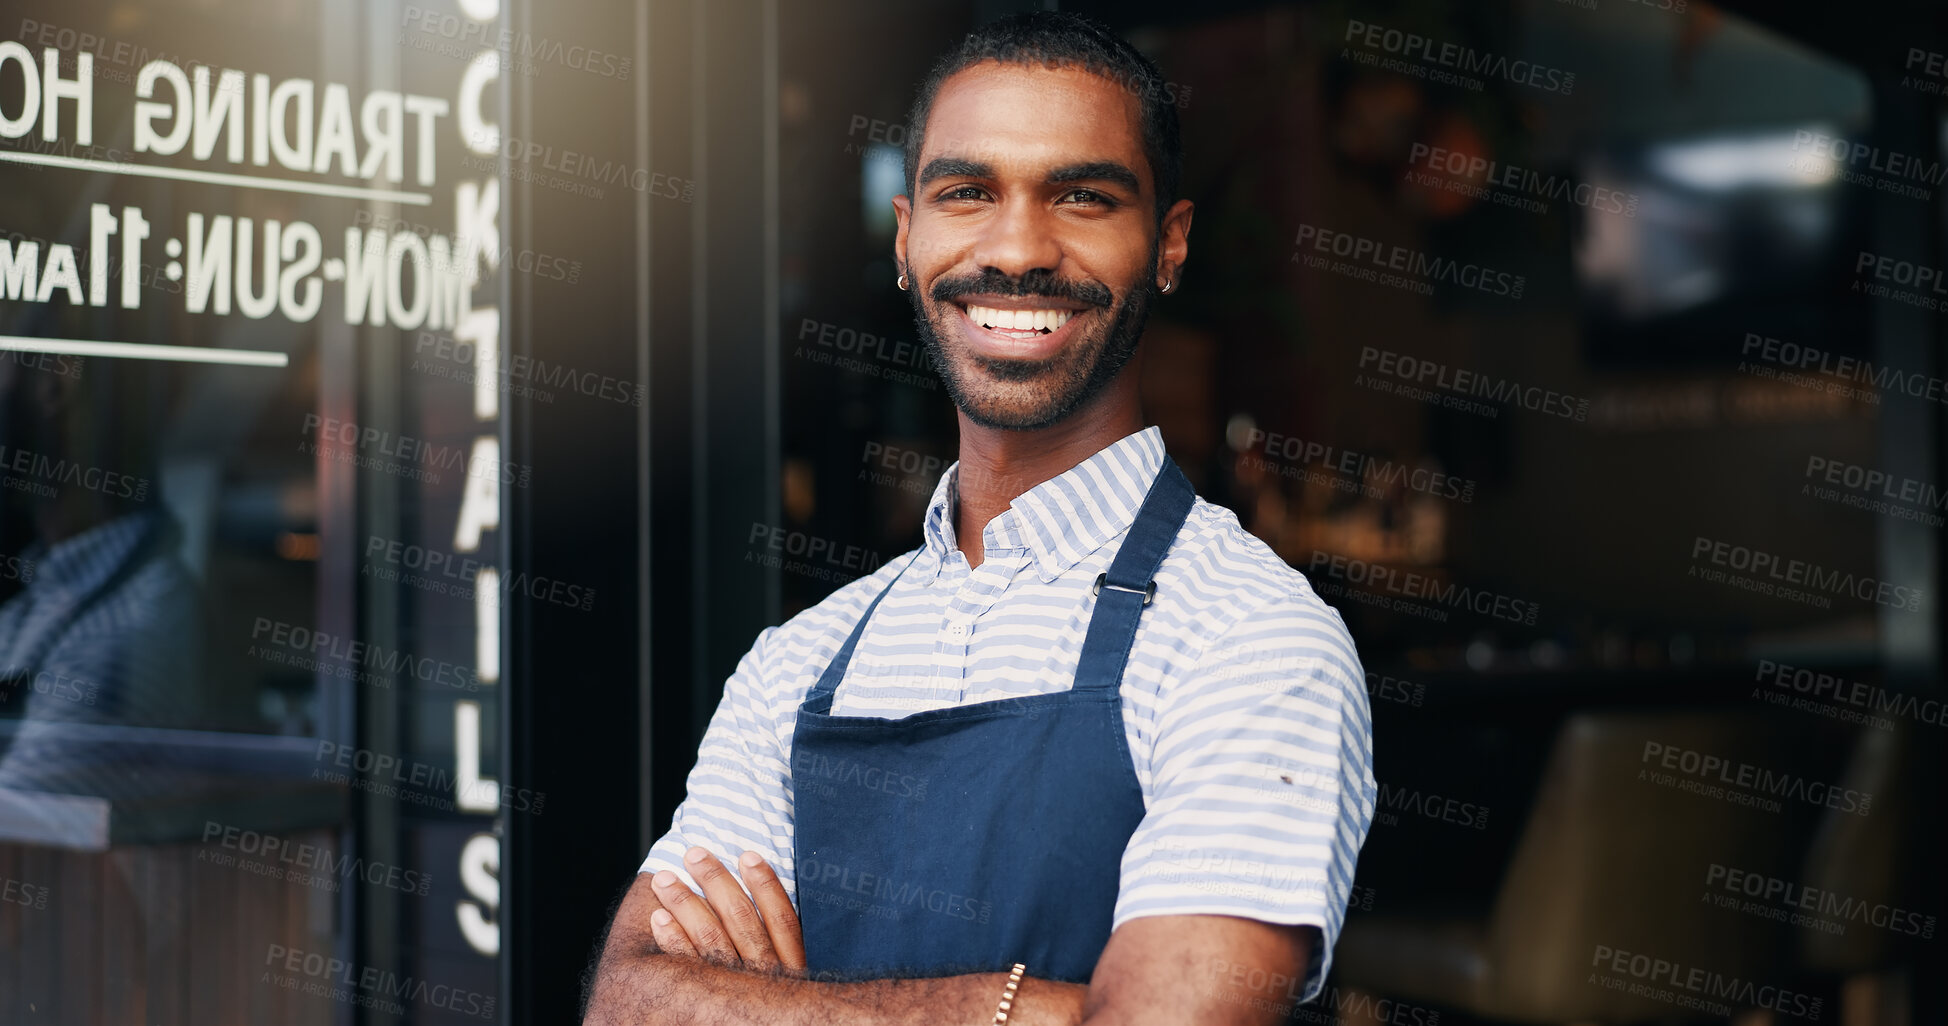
(902, 283)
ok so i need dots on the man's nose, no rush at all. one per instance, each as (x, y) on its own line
(1018, 239)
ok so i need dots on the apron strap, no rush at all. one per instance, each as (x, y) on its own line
(820, 698)
(1121, 593)
(1130, 582)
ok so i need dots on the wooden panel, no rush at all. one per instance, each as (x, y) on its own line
(37, 1000)
(10, 935)
(167, 942)
(161, 934)
(123, 975)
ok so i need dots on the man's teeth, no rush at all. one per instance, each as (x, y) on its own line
(1018, 320)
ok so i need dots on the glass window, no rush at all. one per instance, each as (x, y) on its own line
(250, 494)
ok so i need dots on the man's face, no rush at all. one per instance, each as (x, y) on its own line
(1030, 240)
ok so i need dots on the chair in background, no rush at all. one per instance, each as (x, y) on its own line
(1615, 857)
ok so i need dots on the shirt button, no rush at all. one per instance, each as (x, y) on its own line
(958, 632)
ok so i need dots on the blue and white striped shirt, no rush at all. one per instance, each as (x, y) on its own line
(1244, 701)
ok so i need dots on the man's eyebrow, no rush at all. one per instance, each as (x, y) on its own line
(1090, 171)
(954, 167)
(1096, 171)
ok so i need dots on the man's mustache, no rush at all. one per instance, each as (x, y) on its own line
(1034, 283)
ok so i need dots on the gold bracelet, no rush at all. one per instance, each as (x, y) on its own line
(1008, 994)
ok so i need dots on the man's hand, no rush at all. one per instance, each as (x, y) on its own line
(724, 927)
(641, 983)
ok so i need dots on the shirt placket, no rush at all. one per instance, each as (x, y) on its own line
(977, 593)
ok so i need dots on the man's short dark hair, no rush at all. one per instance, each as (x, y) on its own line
(1056, 39)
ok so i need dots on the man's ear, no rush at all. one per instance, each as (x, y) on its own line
(1175, 240)
(902, 213)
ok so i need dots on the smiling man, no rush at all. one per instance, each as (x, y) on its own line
(1092, 753)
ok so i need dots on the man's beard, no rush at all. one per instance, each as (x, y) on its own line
(1025, 395)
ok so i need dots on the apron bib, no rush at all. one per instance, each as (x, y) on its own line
(966, 839)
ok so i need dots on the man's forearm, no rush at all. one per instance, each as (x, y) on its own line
(655, 989)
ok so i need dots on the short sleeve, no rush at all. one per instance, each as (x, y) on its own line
(1262, 779)
(739, 792)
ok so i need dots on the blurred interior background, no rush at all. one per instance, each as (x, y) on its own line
(393, 647)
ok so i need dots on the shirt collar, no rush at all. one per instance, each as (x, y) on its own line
(1064, 519)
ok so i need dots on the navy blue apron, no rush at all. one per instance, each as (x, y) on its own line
(966, 839)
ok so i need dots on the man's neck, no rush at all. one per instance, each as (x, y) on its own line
(998, 465)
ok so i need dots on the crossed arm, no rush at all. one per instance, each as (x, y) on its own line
(725, 959)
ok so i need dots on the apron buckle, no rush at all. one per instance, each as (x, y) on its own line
(1148, 591)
